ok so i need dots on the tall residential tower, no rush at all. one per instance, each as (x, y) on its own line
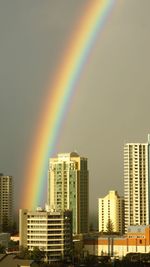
(6, 202)
(136, 183)
(68, 188)
(110, 211)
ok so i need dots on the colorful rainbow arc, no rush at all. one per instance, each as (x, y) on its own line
(57, 102)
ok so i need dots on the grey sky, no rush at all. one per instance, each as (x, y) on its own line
(111, 104)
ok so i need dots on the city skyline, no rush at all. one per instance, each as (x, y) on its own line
(111, 100)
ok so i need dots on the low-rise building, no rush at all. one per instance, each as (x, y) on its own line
(50, 231)
(137, 240)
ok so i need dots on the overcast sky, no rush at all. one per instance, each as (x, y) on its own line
(112, 102)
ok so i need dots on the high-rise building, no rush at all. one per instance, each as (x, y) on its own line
(68, 188)
(110, 213)
(50, 231)
(6, 202)
(136, 183)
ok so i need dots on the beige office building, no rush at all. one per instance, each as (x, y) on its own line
(136, 184)
(50, 231)
(68, 188)
(110, 212)
(6, 203)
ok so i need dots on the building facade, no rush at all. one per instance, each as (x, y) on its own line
(136, 183)
(137, 240)
(68, 188)
(6, 203)
(50, 231)
(111, 213)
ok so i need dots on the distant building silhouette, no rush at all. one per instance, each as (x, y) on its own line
(6, 203)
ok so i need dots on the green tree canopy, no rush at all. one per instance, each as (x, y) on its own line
(109, 227)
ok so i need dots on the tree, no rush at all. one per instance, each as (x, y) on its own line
(2, 249)
(14, 228)
(13, 244)
(109, 227)
(24, 253)
(37, 254)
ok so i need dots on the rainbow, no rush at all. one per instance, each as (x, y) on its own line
(57, 101)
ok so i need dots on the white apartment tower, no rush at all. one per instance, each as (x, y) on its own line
(68, 188)
(110, 209)
(6, 202)
(136, 183)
